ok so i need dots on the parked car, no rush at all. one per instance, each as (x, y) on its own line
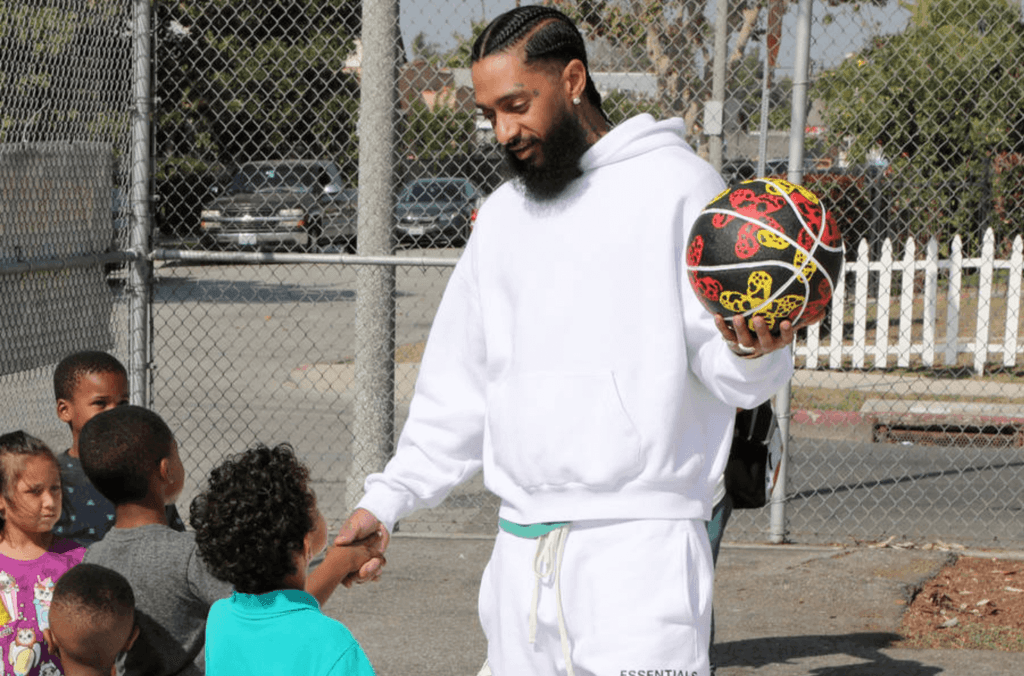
(292, 204)
(738, 170)
(437, 210)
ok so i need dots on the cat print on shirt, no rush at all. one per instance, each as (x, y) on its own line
(49, 669)
(24, 652)
(42, 595)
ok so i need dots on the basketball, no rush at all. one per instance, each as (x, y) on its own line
(767, 248)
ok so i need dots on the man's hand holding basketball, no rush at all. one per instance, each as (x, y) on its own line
(753, 344)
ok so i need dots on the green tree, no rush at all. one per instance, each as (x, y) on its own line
(679, 40)
(458, 57)
(941, 102)
(422, 50)
(236, 81)
(621, 105)
(436, 132)
(59, 72)
(264, 78)
(746, 87)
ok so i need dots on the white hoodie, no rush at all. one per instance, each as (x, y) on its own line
(571, 359)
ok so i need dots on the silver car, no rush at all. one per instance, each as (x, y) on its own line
(292, 204)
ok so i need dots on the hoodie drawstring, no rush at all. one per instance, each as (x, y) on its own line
(548, 561)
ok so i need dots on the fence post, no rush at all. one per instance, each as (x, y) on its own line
(373, 424)
(798, 125)
(714, 110)
(1015, 273)
(883, 302)
(908, 279)
(952, 304)
(983, 313)
(931, 299)
(140, 268)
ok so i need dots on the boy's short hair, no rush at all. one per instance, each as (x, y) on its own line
(121, 448)
(72, 368)
(93, 591)
(92, 599)
(253, 517)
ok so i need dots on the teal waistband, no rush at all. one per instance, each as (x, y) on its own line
(532, 530)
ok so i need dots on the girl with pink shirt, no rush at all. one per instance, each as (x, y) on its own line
(32, 558)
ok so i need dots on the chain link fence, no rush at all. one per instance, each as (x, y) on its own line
(915, 431)
(316, 166)
(65, 186)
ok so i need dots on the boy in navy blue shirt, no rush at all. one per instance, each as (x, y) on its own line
(85, 384)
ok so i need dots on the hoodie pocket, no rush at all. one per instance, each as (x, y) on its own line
(558, 429)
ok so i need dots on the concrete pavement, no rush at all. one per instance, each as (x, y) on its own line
(780, 611)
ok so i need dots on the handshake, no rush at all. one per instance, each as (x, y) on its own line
(358, 551)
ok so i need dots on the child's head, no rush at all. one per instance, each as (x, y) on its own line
(30, 495)
(87, 383)
(92, 619)
(257, 522)
(128, 453)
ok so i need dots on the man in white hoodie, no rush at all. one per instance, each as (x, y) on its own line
(572, 362)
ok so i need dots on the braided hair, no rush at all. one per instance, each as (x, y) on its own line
(549, 36)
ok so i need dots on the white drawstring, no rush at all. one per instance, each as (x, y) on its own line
(548, 560)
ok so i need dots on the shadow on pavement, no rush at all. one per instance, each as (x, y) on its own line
(865, 647)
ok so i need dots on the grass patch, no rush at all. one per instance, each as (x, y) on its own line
(825, 399)
(969, 635)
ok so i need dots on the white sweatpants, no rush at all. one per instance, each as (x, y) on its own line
(636, 599)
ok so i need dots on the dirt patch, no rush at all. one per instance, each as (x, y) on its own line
(972, 603)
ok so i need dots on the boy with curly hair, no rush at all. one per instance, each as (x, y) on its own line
(262, 541)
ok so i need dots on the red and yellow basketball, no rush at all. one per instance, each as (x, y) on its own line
(768, 248)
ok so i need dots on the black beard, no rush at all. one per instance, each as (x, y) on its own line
(560, 152)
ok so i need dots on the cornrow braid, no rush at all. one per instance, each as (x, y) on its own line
(549, 35)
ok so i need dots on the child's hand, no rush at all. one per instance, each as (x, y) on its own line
(341, 565)
(345, 561)
(363, 551)
(361, 525)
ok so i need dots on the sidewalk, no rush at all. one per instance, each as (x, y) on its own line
(780, 611)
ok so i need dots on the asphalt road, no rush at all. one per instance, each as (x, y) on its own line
(234, 348)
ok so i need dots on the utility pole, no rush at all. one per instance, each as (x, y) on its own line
(714, 110)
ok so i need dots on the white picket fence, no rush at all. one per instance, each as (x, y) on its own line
(941, 336)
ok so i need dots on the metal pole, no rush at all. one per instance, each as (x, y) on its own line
(777, 532)
(373, 425)
(714, 110)
(766, 93)
(140, 269)
(798, 125)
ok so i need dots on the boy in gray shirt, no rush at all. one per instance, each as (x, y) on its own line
(130, 455)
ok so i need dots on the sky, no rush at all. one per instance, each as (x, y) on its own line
(845, 31)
